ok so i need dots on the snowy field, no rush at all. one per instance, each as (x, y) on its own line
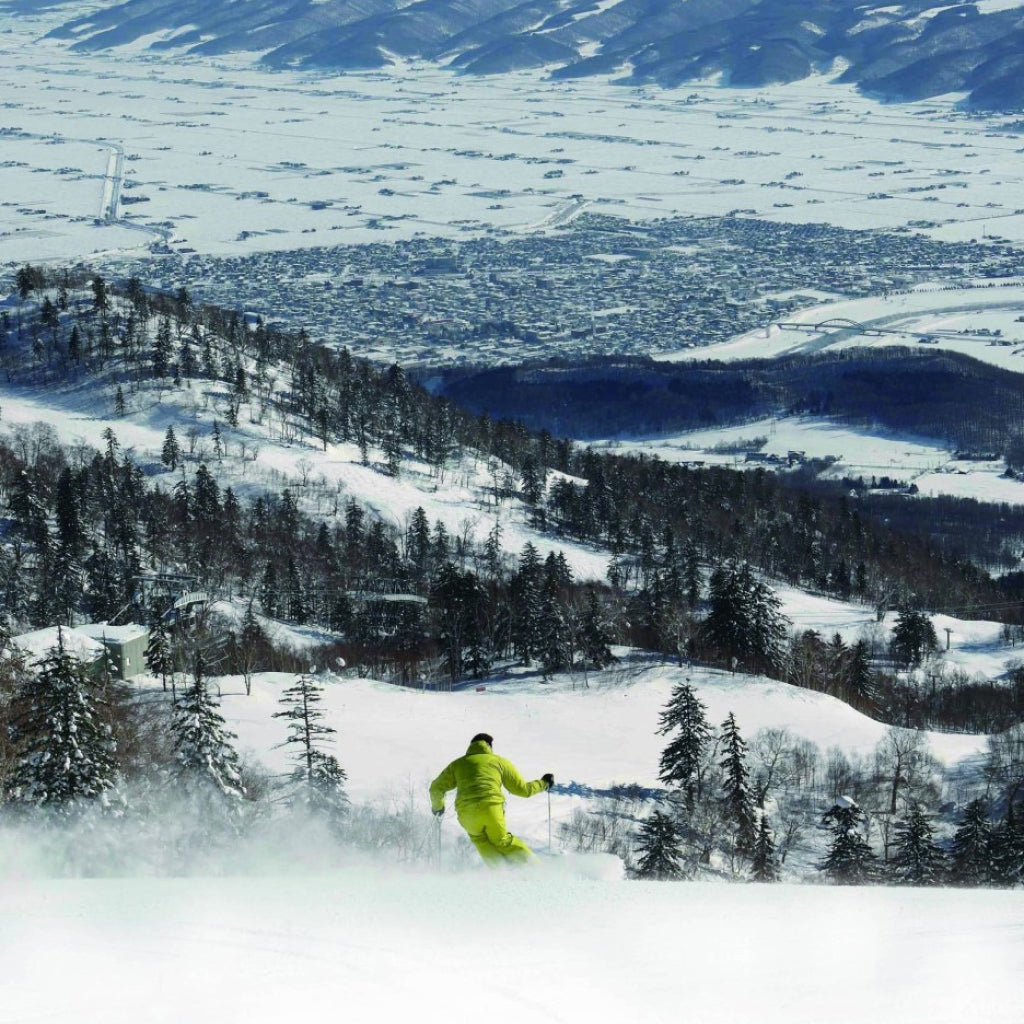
(289, 931)
(220, 158)
(856, 452)
(985, 321)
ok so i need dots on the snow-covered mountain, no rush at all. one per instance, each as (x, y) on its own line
(905, 52)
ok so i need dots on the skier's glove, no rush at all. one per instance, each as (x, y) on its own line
(548, 778)
(439, 813)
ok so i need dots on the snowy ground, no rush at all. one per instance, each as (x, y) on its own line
(982, 321)
(393, 741)
(855, 451)
(370, 944)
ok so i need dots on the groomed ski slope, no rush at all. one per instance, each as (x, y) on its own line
(367, 944)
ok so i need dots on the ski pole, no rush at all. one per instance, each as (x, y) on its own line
(437, 836)
(549, 819)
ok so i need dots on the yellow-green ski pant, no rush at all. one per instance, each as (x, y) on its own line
(485, 825)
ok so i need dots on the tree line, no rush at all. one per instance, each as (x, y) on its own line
(731, 809)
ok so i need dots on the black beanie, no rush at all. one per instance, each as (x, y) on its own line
(489, 740)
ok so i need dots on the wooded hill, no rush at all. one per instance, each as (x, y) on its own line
(690, 548)
(943, 395)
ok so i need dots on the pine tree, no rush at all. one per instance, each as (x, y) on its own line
(859, 678)
(736, 799)
(270, 596)
(206, 763)
(158, 652)
(456, 597)
(659, 844)
(552, 634)
(250, 639)
(745, 621)
(100, 296)
(850, 860)
(67, 580)
(691, 580)
(526, 599)
(64, 753)
(493, 552)
(206, 496)
(1008, 849)
(391, 446)
(170, 454)
(218, 441)
(187, 364)
(917, 859)
(317, 781)
(595, 636)
(683, 761)
(162, 348)
(913, 637)
(764, 865)
(341, 613)
(297, 608)
(972, 847)
(417, 542)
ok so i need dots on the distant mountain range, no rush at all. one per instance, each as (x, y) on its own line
(909, 51)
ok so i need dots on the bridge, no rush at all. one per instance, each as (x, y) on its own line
(842, 325)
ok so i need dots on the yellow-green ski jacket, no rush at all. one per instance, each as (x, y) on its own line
(479, 777)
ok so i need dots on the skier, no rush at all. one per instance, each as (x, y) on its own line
(478, 779)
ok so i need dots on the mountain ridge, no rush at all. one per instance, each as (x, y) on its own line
(913, 52)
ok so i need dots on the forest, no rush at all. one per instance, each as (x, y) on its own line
(942, 395)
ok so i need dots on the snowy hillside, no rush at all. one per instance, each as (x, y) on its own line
(393, 741)
(269, 454)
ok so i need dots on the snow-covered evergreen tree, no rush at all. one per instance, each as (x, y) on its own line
(764, 864)
(745, 621)
(913, 637)
(596, 638)
(917, 859)
(972, 846)
(64, 752)
(527, 600)
(552, 633)
(736, 799)
(270, 595)
(205, 762)
(318, 780)
(850, 860)
(659, 845)
(170, 453)
(1008, 849)
(683, 760)
(158, 651)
